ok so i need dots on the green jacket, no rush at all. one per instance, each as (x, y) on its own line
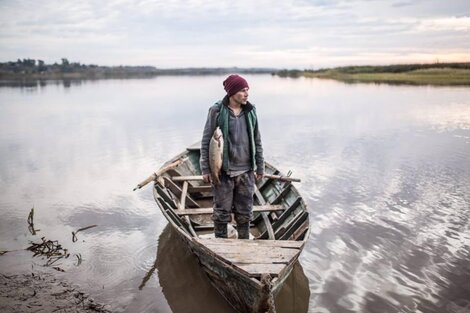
(219, 115)
(222, 122)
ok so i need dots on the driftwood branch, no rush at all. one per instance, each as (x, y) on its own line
(155, 175)
(74, 233)
(282, 178)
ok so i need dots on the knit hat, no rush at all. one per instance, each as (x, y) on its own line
(234, 83)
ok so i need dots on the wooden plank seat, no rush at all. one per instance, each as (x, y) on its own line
(255, 257)
(187, 178)
(202, 188)
(256, 208)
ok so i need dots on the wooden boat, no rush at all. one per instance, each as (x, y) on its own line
(248, 273)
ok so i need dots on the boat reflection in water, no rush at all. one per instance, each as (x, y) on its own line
(187, 288)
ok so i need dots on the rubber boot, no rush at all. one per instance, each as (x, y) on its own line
(243, 231)
(220, 230)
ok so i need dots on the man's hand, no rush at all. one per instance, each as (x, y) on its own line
(259, 176)
(206, 178)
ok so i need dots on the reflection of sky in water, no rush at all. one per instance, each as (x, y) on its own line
(385, 172)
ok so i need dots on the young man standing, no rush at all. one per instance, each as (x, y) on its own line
(243, 161)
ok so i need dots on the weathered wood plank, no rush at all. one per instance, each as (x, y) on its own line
(247, 243)
(259, 269)
(287, 213)
(194, 147)
(252, 260)
(184, 193)
(301, 231)
(203, 188)
(168, 209)
(257, 208)
(188, 224)
(267, 222)
(254, 244)
(181, 204)
(283, 193)
(204, 227)
(164, 195)
(258, 251)
(186, 178)
(290, 244)
(214, 262)
(266, 181)
(242, 248)
(277, 225)
(258, 256)
(294, 225)
(244, 293)
(176, 190)
(267, 258)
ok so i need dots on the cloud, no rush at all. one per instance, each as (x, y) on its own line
(227, 33)
(402, 4)
(452, 24)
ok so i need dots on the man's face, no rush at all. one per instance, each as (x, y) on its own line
(241, 97)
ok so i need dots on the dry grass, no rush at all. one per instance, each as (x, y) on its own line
(432, 76)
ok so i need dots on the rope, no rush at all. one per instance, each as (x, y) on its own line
(267, 303)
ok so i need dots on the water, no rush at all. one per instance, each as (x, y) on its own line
(385, 173)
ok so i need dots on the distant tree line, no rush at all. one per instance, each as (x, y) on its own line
(38, 68)
(398, 68)
(29, 66)
(32, 66)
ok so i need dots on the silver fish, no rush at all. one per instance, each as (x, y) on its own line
(216, 151)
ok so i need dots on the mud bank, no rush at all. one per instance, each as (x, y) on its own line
(42, 292)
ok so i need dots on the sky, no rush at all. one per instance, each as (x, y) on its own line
(292, 34)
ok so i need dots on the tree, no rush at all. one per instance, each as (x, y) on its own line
(41, 66)
(65, 66)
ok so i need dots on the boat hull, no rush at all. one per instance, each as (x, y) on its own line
(247, 287)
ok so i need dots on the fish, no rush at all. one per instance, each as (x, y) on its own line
(216, 151)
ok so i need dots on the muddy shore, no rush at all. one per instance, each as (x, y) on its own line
(42, 292)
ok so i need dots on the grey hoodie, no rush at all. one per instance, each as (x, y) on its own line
(238, 141)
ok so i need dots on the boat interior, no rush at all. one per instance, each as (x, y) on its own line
(280, 219)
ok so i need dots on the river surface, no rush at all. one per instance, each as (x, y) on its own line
(385, 173)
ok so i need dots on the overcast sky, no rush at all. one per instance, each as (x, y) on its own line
(244, 33)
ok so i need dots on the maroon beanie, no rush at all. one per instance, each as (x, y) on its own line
(234, 83)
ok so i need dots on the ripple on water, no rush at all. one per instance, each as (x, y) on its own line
(351, 302)
(387, 186)
(145, 257)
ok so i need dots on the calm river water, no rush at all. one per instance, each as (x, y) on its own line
(385, 173)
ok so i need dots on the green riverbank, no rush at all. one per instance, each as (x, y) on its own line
(413, 74)
(417, 77)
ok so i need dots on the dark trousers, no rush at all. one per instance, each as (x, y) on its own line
(234, 195)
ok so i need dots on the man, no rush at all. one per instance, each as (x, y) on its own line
(242, 157)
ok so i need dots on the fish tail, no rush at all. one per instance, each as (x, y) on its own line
(216, 179)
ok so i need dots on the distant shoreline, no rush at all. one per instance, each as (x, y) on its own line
(124, 75)
(31, 69)
(439, 74)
